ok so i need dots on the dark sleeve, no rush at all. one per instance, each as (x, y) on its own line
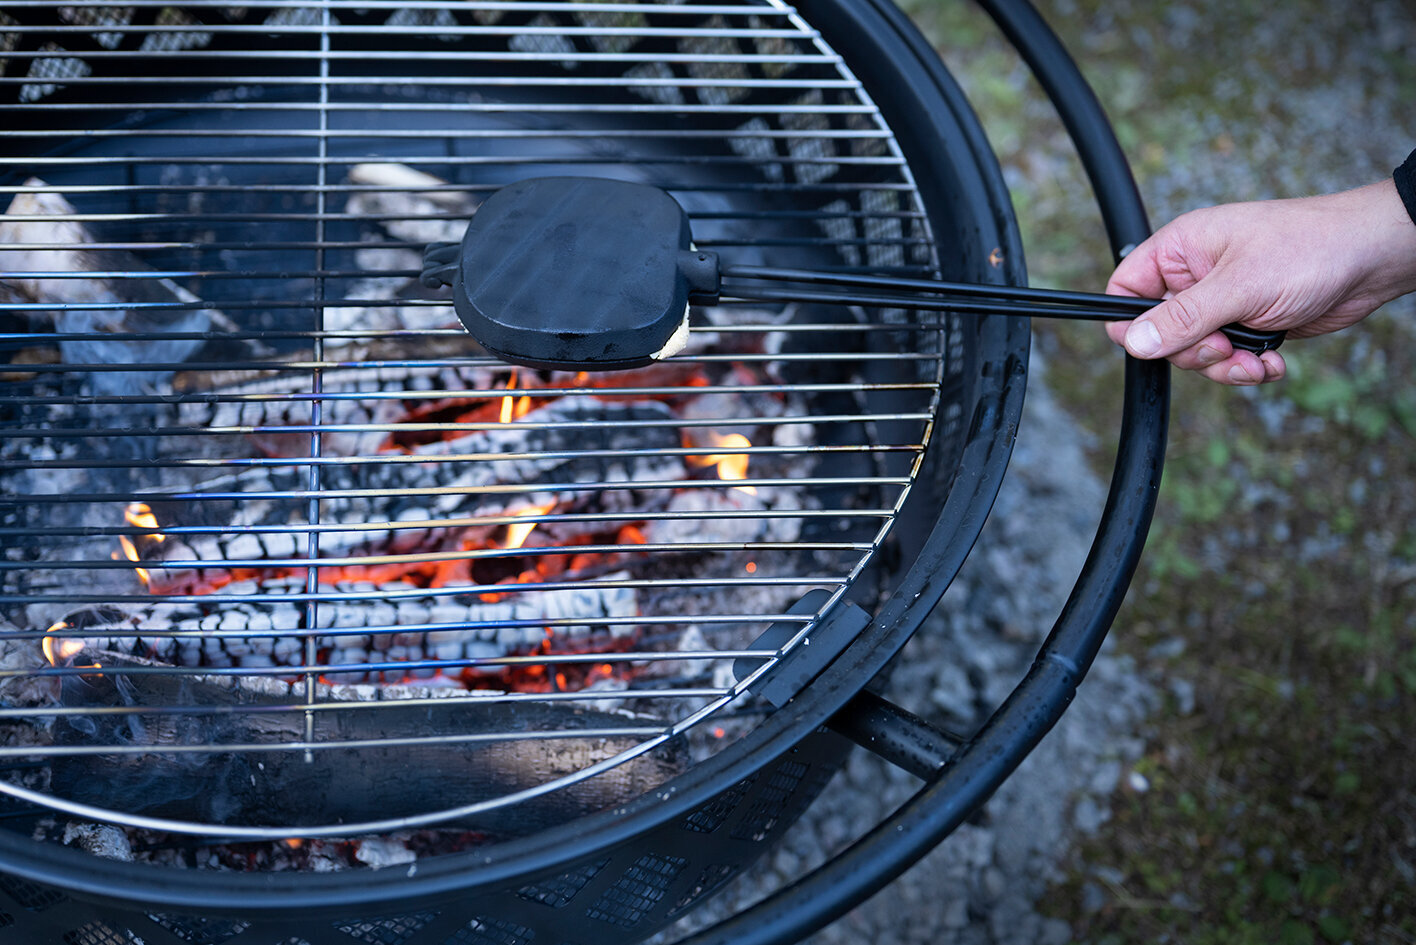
(1405, 177)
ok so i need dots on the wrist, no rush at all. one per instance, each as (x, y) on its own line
(1388, 237)
(1404, 178)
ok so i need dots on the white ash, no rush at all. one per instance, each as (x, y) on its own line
(413, 312)
(380, 852)
(22, 689)
(103, 840)
(728, 530)
(283, 400)
(390, 296)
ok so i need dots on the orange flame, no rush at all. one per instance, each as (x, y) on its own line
(56, 649)
(130, 551)
(513, 408)
(731, 466)
(518, 532)
(140, 515)
(507, 403)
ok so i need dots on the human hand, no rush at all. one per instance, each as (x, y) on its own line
(1310, 265)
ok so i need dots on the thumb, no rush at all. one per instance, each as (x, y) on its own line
(1179, 322)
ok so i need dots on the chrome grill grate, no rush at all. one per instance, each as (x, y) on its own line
(210, 316)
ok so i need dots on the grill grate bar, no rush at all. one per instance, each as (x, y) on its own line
(273, 462)
(313, 509)
(184, 219)
(120, 189)
(485, 696)
(370, 218)
(562, 82)
(456, 160)
(613, 656)
(489, 698)
(558, 57)
(100, 531)
(431, 557)
(474, 395)
(718, 619)
(444, 740)
(451, 82)
(518, 489)
(163, 245)
(568, 6)
(686, 187)
(825, 419)
(414, 134)
(390, 30)
(686, 584)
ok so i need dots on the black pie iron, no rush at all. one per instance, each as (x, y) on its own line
(575, 273)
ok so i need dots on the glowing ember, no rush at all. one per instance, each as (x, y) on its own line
(475, 557)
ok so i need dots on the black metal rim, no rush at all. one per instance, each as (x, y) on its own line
(957, 173)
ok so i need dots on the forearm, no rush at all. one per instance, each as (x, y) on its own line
(1388, 233)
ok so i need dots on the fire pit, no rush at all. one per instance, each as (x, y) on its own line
(323, 624)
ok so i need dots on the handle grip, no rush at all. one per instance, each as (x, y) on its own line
(1252, 339)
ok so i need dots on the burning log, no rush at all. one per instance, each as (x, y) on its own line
(452, 637)
(283, 400)
(453, 486)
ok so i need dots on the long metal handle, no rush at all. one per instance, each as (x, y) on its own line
(938, 295)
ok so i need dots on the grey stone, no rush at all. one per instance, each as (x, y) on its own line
(1088, 815)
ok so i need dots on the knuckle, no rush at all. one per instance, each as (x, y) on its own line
(1186, 317)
